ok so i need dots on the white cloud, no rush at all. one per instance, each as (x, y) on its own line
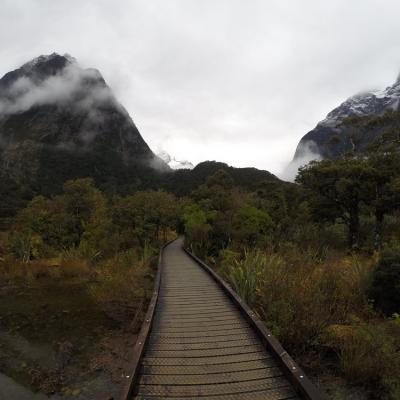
(306, 152)
(25, 93)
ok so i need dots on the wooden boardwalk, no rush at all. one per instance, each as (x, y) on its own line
(201, 346)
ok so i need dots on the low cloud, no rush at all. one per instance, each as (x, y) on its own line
(158, 164)
(236, 81)
(172, 162)
(306, 152)
(77, 90)
(71, 86)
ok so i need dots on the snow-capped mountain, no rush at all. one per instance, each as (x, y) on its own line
(320, 140)
(173, 163)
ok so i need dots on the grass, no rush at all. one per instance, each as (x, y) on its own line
(318, 308)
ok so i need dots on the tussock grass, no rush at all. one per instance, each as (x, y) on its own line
(318, 305)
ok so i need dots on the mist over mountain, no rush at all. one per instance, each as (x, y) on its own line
(335, 135)
(59, 121)
(173, 162)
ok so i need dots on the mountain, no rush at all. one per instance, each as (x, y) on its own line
(183, 181)
(60, 121)
(336, 135)
(173, 163)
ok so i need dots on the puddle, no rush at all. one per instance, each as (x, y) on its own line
(97, 388)
(12, 390)
(42, 354)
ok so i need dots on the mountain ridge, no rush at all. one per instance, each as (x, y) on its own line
(330, 138)
(51, 108)
(59, 122)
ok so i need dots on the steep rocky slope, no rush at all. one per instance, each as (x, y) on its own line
(59, 121)
(332, 138)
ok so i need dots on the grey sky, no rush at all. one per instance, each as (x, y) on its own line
(236, 81)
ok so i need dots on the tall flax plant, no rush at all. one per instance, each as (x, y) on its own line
(244, 274)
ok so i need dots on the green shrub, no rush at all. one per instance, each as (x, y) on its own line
(385, 290)
(244, 274)
(296, 293)
(368, 355)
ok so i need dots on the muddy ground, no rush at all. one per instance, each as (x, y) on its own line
(56, 342)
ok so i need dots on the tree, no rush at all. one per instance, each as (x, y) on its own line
(278, 201)
(251, 225)
(381, 145)
(148, 215)
(338, 188)
(386, 188)
(385, 290)
(215, 193)
(40, 227)
(215, 196)
(198, 225)
(78, 218)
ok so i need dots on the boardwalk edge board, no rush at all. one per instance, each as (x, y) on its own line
(144, 333)
(293, 372)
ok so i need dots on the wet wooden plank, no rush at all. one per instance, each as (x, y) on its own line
(203, 334)
(179, 312)
(204, 317)
(211, 327)
(203, 339)
(278, 383)
(281, 394)
(201, 361)
(200, 344)
(211, 379)
(212, 321)
(209, 369)
(236, 350)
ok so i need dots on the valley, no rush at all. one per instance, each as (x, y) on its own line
(85, 206)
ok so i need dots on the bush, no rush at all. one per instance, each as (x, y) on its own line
(243, 274)
(72, 266)
(385, 290)
(296, 293)
(26, 246)
(123, 283)
(367, 355)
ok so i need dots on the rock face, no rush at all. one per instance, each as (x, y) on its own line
(330, 139)
(59, 121)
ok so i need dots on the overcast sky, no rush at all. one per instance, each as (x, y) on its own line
(239, 81)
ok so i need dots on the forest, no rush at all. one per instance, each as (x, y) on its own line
(318, 260)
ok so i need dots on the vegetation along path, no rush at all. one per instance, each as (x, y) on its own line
(201, 345)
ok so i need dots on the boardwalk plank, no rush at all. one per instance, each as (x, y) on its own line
(209, 379)
(200, 345)
(209, 369)
(213, 360)
(203, 339)
(278, 383)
